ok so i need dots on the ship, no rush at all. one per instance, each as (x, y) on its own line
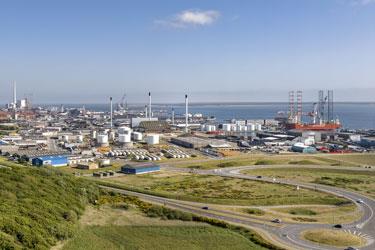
(314, 127)
(321, 115)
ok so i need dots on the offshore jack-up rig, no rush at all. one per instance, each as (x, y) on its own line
(321, 117)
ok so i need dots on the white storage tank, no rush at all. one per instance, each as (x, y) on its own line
(124, 130)
(111, 135)
(93, 134)
(102, 139)
(105, 162)
(124, 138)
(210, 128)
(152, 139)
(137, 136)
(227, 127)
(242, 128)
(203, 127)
(259, 127)
(251, 127)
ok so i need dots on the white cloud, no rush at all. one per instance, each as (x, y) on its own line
(363, 2)
(189, 18)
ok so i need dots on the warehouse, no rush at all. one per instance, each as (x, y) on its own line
(51, 160)
(140, 169)
(196, 142)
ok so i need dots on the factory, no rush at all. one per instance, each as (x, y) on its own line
(140, 169)
(51, 160)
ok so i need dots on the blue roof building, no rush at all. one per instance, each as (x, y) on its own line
(140, 169)
(51, 160)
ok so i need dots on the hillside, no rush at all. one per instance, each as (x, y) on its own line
(40, 206)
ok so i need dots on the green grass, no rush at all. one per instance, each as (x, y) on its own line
(158, 237)
(302, 162)
(220, 190)
(262, 159)
(150, 226)
(40, 206)
(302, 211)
(333, 238)
(254, 211)
(356, 180)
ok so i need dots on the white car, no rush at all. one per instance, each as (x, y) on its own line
(360, 201)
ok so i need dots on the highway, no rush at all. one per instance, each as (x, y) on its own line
(286, 235)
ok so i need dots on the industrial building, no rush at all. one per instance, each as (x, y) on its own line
(302, 148)
(197, 142)
(140, 169)
(51, 160)
(154, 126)
(88, 165)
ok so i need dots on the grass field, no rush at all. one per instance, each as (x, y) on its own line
(325, 214)
(220, 190)
(262, 159)
(361, 181)
(110, 228)
(158, 237)
(361, 159)
(321, 214)
(334, 238)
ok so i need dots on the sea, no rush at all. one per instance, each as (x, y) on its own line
(351, 115)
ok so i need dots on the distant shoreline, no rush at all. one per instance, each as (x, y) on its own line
(199, 103)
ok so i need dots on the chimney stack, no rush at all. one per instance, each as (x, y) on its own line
(149, 105)
(186, 114)
(110, 99)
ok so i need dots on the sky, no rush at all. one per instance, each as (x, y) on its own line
(83, 51)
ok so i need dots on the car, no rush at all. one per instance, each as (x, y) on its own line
(337, 226)
(205, 208)
(360, 201)
(351, 248)
(276, 221)
(259, 176)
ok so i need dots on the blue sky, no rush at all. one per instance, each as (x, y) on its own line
(230, 50)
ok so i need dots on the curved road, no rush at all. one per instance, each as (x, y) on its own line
(285, 234)
(365, 226)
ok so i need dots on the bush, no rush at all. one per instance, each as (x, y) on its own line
(255, 211)
(40, 206)
(226, 164)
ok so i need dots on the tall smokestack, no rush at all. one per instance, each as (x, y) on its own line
(110, 100)
(172, 116)
(149, 105)
(14, 94)
(146, 115)
(186, 114)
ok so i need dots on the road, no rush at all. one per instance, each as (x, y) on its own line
(286, 235)
(365, 226)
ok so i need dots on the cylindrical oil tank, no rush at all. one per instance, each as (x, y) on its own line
(251, 127)
(102, 139)
(152, 139)
(227, 127)
(105, 162)
(124, 130)
(137, 136)
(124, 138)
(259, 127)
(93, 134)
